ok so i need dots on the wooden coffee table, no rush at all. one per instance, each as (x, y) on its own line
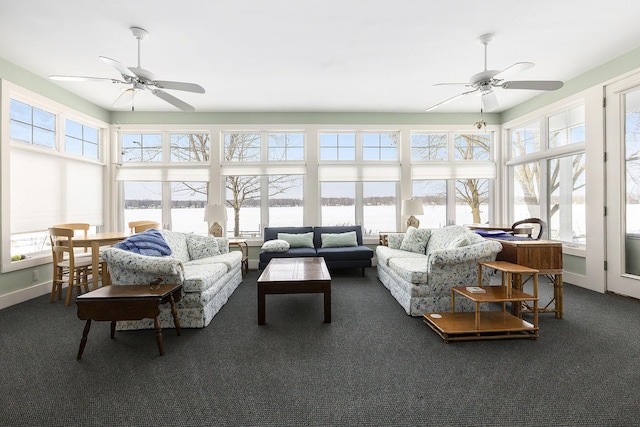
(127, 302)
(295, 276)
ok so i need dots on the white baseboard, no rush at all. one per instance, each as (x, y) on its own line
(24, 295)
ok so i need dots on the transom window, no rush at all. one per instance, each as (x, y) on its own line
(32, 125)
(286, 146)
(241, 147)
(138, 147)
(429, 146)
(338, 146)
(380, 146)
(81, 139)
(189, 147)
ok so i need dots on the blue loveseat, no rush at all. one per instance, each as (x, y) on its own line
(358, 256)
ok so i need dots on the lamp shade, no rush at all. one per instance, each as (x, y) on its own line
(215, 213)
(412, 207)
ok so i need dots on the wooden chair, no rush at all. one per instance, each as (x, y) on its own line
(138, 226)
(67, 268)
(530, 221)
(77, 226)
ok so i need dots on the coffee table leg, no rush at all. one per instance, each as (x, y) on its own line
(156, 323)
(327, 304)
(83, 341)
(113, 329)
(174, 312)
(261, 305)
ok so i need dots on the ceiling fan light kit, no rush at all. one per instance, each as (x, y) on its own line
(138, 79)
(485, 81)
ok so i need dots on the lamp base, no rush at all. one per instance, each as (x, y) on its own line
(216, 230)
(413, 222)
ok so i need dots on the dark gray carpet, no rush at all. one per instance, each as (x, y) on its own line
(373, 365)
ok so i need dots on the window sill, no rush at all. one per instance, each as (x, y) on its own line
(574, 250)
(8, 266)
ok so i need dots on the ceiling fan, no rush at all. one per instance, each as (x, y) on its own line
(138, 79)
(485, 81)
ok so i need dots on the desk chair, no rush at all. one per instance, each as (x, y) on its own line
(67, 268)
(138, 226)
(532, 221)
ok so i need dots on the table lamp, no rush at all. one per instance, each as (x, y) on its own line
(412, 207)
(215, 213)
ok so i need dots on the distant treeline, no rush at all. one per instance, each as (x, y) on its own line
(326, 201)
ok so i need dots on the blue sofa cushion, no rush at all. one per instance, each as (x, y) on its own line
(345, 253)
(149, 242)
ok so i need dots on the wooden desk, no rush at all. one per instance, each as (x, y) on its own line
(94, 242)
(543, 255)
(127, 302)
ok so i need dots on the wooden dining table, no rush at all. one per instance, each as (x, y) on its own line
(95, 242)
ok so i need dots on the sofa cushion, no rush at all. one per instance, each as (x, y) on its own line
(265, 257)
(415, 240)
(298, 240)
(441, 237)
(149, 242)
(275, 246)
(384, 254)
(345, 253)
(459, 241)
(202, 246)
(178, 244)
(413, 270)
(199, 277)
(339, 240)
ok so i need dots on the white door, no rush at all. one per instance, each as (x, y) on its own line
(623, 186)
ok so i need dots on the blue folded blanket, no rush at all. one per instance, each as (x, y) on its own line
(149, 242)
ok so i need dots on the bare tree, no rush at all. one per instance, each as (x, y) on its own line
(472, 191)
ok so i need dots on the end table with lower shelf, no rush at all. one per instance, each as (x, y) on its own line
(244, 248)
(479, 325)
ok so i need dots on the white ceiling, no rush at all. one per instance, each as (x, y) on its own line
(315, 56)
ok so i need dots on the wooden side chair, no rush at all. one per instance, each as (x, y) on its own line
(138, 226)
(541, 226)
(77, 226)
(67, 268)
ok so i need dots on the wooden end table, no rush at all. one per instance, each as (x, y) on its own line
(128, 302)
(295, 276)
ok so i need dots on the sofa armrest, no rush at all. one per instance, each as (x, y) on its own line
(141, 267)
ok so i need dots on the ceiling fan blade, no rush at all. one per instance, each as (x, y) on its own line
(173, 100)
(518, 67)
(533, 84)
(188, 87)
(453, 84)
(446, 101)
(489, 101)
(83, 79)
(118, 66)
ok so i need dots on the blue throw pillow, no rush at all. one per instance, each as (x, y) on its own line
(149, 242)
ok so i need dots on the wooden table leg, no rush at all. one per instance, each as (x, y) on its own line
(113, 329)
(156, 324)
(174, 312)
(83, 341)
(261, 304)
(327, 303)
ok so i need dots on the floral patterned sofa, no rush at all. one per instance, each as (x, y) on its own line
(207, 270)
(420, 266)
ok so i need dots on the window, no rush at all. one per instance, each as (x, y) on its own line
(429, 146)
(338, 146)
(32, 125)
(380, 146)
(338, 203)
(142, 201)
(81, 139)
(243, 195)
(433, 193)
(141, 147)
(380, 202)
(472, 146)
(41, 183)
(548, 172)
(472, 201)
(189, 147)
(525, 140)
(286, 146)
(286, 202)
(242, 147)
(188, 200)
